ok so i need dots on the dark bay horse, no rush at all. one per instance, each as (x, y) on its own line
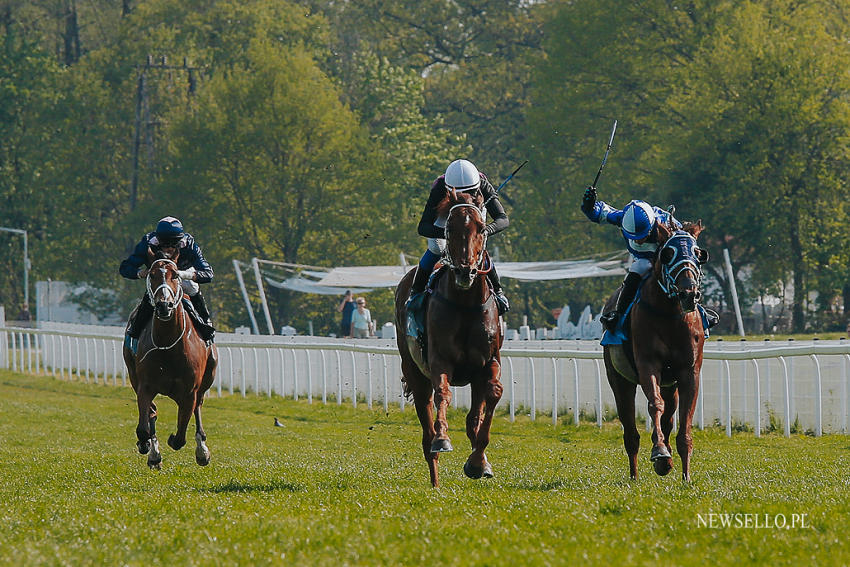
(667, 338)
(171, 360)
(464, 336)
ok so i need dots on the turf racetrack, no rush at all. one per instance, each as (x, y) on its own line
(343, 486)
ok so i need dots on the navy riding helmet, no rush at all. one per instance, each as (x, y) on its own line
(169, 230)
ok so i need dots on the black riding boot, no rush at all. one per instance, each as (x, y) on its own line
(420, 280)
(627, 293)
(143, 314)
(207, 330)
(501, 300)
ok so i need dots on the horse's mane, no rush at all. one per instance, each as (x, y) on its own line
(693, 228)
(453, 198)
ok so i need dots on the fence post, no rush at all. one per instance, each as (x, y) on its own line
(728, 399)
(598, 393)
(758, 399)
(554, 392)
(787, 389)
(511, 389)
(818, 398)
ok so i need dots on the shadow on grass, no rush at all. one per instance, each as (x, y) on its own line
(234, 486)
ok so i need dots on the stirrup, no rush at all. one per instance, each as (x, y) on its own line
(502, 302)
(712, 317)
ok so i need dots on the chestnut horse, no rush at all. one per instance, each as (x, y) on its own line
(464, 336)
(666, 341)
(172, 360)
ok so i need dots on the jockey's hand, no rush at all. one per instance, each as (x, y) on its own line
(187, 274)
(589, 199)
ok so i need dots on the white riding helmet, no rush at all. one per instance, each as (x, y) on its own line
(638, 220)
(461, 175)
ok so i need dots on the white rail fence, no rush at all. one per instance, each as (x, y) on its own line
(794, 386)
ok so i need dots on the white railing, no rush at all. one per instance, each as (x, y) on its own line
(800, 386)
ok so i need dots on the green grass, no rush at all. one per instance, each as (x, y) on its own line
(343, 486)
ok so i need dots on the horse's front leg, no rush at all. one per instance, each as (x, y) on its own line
(202, 452)
(442, 398)
(486, 395)
(147, 411)
(688, 392)
(664, 465)
(185, 409)
(649, 380)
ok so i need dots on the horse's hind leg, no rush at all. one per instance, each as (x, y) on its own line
(424, 402)
(185, 408)
(144, 400)
(478, 426)
(154, 456)
(670, 395)
(442, 399)
(624, 396)
(202, 452)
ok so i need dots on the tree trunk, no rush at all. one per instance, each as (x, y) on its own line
(798, 323)
(71, 34)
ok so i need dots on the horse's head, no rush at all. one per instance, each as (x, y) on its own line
(465, 237)
(164, 289)
(679, 261)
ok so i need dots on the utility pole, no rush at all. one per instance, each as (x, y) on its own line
(26, 263)
(143, 110)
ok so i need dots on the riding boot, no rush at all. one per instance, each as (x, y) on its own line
(143, 314)
(627, 294)
(207, 330)
(501, 300)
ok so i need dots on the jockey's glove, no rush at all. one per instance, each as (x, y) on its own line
(186, 274)
(589, 199)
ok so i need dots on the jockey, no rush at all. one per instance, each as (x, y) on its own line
(638, 221)
(461, 175)
(169, 237)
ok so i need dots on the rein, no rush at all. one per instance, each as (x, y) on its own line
(172, 345)
(178, 297)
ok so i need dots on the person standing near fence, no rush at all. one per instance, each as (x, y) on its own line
(361, 320)
(346, 306)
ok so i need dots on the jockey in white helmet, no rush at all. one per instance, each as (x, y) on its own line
(461, 175)
(637, 221)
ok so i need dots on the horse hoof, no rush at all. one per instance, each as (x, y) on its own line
(663, 466)
(155, 465)
(202, 457)
(441, 446)
(659, 452)
(174, 444)
(143, 447)
(472, 471)
(488, 471)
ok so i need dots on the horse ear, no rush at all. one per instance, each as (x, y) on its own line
(667, 255)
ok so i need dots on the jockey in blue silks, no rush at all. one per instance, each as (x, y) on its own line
(637, 221)
(461, 175)
(193, 269)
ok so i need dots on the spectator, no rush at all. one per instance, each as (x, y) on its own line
(361, 320)
(346, 307)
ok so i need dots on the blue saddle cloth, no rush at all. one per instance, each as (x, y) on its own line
(620, 334)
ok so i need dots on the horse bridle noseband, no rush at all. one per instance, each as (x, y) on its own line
(447, 259)
(683, 260)
(151, 292)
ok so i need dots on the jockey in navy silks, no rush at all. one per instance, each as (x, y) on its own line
(637, 221)
(193, 269)
(461, 175)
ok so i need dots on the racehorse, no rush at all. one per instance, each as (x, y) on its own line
(172, 360)
(464, 336)
(665, 349)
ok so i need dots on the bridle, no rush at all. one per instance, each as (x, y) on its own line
(479, 262)
(684, 259)
(172, 304)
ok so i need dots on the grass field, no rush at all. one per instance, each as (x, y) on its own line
(343, 486)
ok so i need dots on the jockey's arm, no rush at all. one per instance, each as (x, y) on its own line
(602, 211)
(494, 207)
(429, 215)
(203, 270)
(131, 266)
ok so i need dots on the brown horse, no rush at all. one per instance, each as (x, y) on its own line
(171, 360)
(665, 349)
(464, 336)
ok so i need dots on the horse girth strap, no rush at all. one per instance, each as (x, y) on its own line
(469, 308)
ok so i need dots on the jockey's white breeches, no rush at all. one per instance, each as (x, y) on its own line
(437, 245)
(640, 266)
(190, 288)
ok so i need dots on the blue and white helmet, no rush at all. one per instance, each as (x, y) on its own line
(169, 230)
(461, 175)
(638, 220)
